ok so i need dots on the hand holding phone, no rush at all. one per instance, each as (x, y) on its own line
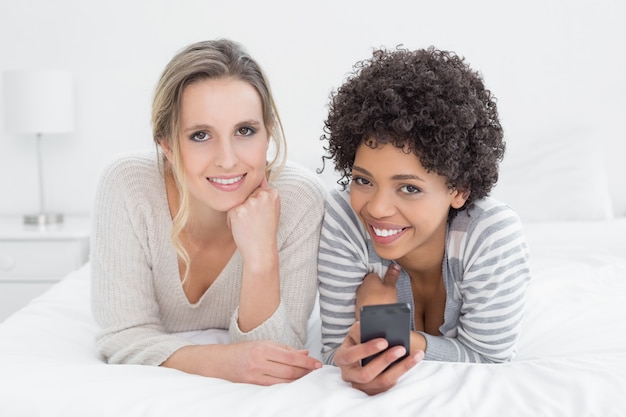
(389, 321)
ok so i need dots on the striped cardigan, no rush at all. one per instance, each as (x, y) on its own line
(485, 271)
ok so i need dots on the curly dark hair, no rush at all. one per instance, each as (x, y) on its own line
(428, 101)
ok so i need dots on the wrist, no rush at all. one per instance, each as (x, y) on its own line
(418, 342)
(197, 359)
(264, 263)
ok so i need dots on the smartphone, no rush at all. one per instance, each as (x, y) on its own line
(389, 321)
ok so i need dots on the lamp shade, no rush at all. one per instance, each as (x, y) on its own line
(38, 101)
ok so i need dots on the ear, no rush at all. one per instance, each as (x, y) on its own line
(167, 151)
(459, 198)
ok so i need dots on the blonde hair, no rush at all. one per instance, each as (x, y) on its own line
(211, 59)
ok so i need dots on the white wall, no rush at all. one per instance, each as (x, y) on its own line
(552, 64)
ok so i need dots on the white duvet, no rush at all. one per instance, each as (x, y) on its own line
(571, 360)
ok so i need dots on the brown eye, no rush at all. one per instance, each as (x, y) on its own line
(199, 136)
(245, 131)
(410, 189)
(360, 181)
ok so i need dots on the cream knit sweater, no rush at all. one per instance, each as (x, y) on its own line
(137, 296)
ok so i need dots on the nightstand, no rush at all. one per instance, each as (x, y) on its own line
(32, 259)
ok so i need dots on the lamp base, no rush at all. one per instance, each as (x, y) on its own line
(43, 219)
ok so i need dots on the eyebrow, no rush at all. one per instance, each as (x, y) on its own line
(397, 177)
(197, 127)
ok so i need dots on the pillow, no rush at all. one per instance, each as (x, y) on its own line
(555, 176)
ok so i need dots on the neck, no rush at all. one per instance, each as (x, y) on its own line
(202, 221)
(425, 262)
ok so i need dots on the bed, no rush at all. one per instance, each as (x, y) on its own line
(571, 360)
(571, 357)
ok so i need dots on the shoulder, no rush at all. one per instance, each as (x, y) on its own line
(488, 227)
(131, 169)
(338, 204)
(486, 213)
(131, 196)
(131, 178)
(134, 170)
(341, 221)
(299, 186)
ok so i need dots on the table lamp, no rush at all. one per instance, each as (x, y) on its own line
(38, 102)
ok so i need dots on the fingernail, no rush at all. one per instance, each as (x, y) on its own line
(396, 267)
(399, 353)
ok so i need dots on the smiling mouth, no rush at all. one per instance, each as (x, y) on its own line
(226, 181)
(386, 232)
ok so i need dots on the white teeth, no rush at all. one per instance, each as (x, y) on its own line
(386, 232)
(226, 181)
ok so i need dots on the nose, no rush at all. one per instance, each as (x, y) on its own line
(226, 156)
(380, 205)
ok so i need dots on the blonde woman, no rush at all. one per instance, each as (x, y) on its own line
(213, 230)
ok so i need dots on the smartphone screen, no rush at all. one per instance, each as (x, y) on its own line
(389, 321)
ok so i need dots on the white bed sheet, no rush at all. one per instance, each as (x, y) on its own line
(571, 361)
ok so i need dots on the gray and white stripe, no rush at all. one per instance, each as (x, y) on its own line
(485, 270)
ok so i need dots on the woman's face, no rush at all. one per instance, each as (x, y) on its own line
(223, 142)
(403, 207)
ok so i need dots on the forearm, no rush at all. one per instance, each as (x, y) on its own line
(131, 331)
(206, 360)
(276, 300)
(340, 272)
(259, 362)
(260, 291)
(451, 349)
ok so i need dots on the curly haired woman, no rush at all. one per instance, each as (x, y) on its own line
(416, 138)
